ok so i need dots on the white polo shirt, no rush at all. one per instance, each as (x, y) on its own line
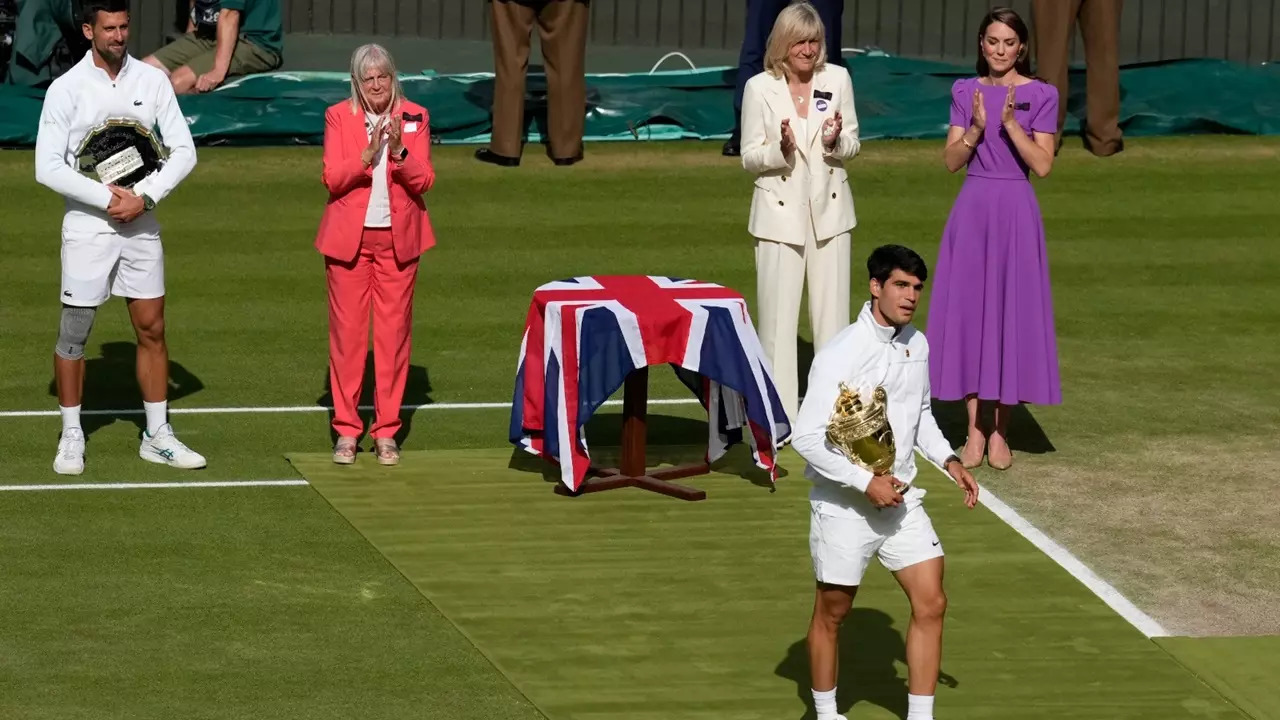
(84, 97)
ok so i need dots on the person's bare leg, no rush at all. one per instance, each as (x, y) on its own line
(153, 354)
(183, 80)
(922, 583)
(830, 607)
(154, 62)
(976, 442)
(1000, 455)
(69, 376)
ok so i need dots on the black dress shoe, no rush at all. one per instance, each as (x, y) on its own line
(731, 147)
(489, 156)
(567, 161)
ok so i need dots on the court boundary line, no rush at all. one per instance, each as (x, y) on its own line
(252, 410)
(1104, 590)
(54, 487)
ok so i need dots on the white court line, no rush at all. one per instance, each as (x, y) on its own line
(1103, 589)
(150, 486)
(307, 408)
(1063, 557)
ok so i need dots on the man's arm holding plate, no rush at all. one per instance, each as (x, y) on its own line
(182, 149)
(810, 436)
(52, 169)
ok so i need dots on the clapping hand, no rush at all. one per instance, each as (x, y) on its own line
(979, 111)
(788, 138)
(375, 141)
(1006, 113)
(395, 142)
(831, 131)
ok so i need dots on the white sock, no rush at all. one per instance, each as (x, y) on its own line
(157, 415)
(70, 418)
(919, 707)
(825, 703)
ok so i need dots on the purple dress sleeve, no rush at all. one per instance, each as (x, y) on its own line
(961, 105)
(1046, 116)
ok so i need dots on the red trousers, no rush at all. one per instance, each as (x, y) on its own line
(375, 275)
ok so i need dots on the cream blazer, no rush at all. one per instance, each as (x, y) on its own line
(814, 178)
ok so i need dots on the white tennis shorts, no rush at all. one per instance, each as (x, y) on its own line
(98, 265)
(842, 545)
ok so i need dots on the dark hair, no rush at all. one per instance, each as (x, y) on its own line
(887, 258)
(1008, 17)
(89, 9)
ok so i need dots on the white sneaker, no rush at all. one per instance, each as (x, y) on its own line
(70, 457)
(164, 448)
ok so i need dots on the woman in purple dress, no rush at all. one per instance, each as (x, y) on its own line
(990, 326)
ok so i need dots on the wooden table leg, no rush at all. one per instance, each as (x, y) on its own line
(631, 470)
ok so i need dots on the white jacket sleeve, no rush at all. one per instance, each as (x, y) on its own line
(810, 437)
(929, 438)
(848, 145)
(52, 169)
(177, 137)
(760, 152)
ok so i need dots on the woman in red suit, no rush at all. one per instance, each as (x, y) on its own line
(377, 165)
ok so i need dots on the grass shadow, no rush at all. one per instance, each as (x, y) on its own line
(669, 441)
(870, 647)
(111, 383)
(417, 391)
(1025, 433)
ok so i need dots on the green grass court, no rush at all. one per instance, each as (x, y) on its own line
(459, 586)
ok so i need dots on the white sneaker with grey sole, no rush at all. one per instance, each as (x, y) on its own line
(70, 457)
(164, 448)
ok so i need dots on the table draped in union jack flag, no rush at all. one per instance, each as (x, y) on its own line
(584, 335)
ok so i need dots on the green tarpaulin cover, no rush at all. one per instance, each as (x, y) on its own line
(895, 98)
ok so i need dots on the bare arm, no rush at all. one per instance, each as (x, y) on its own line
(1036, 149)
(191, 23)
(961, 143)
(228, 35)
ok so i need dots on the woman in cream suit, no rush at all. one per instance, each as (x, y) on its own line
(798, 129)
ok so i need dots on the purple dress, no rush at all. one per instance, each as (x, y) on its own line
(990, 324)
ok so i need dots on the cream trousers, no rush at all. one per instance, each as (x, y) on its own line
(781, 270)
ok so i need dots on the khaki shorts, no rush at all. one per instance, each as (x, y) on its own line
(198, 53)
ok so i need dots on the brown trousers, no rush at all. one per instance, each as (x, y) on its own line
(562, 28)
(1054, 25)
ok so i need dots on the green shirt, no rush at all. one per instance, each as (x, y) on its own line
(260, 22)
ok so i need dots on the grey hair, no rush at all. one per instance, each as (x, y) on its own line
(365, 58)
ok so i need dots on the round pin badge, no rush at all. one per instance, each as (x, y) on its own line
(821, 105)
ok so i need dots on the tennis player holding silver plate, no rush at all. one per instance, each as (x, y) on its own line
(95, 147)
(865, 414)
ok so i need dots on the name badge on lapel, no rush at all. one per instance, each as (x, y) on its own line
(822, 99)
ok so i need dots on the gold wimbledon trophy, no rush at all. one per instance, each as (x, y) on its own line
(861, 431)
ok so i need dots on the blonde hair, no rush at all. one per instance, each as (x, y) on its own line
(364, 59)
(796, 23)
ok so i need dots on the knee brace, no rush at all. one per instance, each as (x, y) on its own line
(73, 331)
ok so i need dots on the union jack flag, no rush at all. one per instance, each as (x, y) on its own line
(584, 335)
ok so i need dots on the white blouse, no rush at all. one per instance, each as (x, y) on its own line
(378, 214)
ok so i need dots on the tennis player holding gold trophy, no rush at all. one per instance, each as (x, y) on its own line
(865, 414)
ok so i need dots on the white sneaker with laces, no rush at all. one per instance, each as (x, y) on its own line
(70, 457)
(164, 448)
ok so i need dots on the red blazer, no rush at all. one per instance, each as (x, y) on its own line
(350, 184)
